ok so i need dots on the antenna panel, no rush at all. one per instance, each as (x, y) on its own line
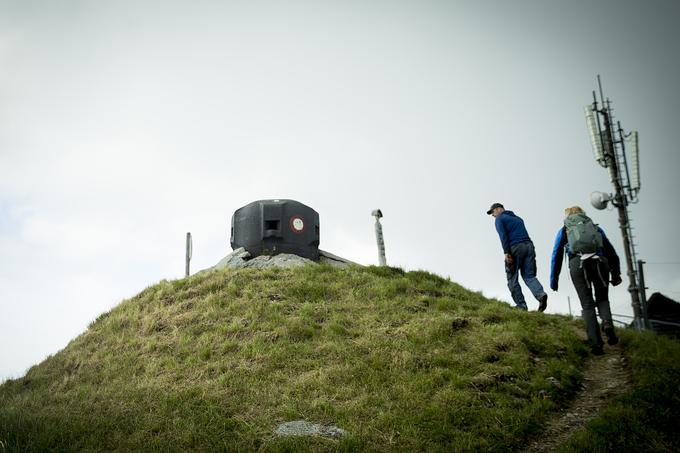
(595, 139)
(635, 177)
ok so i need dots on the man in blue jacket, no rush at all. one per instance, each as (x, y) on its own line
(520, 256)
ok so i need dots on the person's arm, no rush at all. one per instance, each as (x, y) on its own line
(612, 258)
(503, 235)
(557, 258)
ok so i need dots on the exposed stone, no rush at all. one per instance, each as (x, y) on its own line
(305, 428)
(554, 382)
(240, 258)
(237, 258)
(281, 260)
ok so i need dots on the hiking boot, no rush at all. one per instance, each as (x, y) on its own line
(521, 307)
(612, 339)
(543, 303)
(597, 350)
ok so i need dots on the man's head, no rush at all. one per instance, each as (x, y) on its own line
(495, 210)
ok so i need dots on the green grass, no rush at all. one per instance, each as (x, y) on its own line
(646, 419)
(402, 361)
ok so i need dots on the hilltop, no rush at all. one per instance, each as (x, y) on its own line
(397, 360)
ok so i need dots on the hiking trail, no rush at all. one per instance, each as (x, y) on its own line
(604, 378)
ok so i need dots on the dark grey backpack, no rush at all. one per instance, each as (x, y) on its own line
(582, 234)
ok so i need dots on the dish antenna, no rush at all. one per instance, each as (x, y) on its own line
(599, 200)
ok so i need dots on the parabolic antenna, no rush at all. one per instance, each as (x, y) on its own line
(599, 200)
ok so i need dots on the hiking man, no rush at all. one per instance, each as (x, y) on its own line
(520, 256)
(591, 259)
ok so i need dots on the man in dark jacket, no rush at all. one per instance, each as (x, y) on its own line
(589, 272)
(520, 256)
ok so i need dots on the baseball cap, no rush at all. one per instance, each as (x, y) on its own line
(494, 206)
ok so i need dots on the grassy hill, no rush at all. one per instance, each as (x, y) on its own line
(400, 361)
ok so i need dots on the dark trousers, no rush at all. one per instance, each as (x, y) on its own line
(588, 276)
(524, 262)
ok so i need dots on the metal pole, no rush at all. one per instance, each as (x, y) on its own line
(189, 250)
(377, 213)
(569, 302)
(382, 260)
(643, 294)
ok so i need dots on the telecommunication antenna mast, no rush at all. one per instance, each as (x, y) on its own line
(609, 149)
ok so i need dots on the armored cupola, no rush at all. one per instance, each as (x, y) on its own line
(270, 227)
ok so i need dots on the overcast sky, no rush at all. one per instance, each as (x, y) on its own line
(123, 125)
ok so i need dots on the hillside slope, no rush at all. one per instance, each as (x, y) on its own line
(399, 361)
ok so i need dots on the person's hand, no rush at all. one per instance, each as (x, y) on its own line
(508, 259)
(616, 280)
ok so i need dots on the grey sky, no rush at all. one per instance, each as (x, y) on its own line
(123, 125)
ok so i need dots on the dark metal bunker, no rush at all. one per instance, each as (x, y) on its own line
(270, 227)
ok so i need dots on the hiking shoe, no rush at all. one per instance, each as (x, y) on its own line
(543, 302)
(521, 307)
(597, 350)
(612, 339)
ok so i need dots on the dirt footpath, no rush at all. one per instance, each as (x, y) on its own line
(604, 378)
